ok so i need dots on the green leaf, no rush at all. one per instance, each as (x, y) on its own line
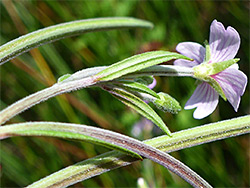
(141, 107)
(220, 66)
(146, 80)
(131, 144)
(50, 34)
(180, 140)
(65, 130)
(167, 103)
(136, 63)
(136, 87)
(204, 70)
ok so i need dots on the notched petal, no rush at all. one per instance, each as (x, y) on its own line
(192, 50)
(205, 98)
(224, 44)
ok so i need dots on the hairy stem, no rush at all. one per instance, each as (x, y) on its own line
(165, 70)
(82, 79)
(112, 138)
(179, 140)
(43, 95)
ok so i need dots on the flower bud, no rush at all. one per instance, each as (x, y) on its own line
(167, 103)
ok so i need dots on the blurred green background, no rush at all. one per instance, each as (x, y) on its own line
(27, 159)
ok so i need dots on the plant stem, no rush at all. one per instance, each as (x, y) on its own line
(108, 139)
(165, 70)
(31, 100)
(82, 79)
(179, 140)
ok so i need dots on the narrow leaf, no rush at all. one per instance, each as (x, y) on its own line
(136, 63)
(50, 34)
(146, 80)
(140, 106)
(66, 130)
(82, 79)
(136, 87)
(180, 140)
(111, 138)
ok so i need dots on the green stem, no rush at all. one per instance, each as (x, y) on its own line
(43, 95)
(50, 34)
(106, 138)
(82, 79)
(156, 70)
(165, 70)
(179, 140)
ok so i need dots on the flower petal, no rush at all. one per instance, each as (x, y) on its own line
(153, 84)
(192, 50)
(224, 44)
(235, 66)
(185, 63)
(205, 98)
(233, 82)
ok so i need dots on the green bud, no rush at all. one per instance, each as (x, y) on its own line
(167, 103)
(63, 77)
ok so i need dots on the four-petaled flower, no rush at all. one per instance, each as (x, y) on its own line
(223, 46)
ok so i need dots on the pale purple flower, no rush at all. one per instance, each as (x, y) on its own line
(224, 45)
(153, 84)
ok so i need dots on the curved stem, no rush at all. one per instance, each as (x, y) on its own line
(113, 138)
(179, 140)
(82, 79)
(43, 95)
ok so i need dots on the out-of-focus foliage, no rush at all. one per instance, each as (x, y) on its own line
(25, 160)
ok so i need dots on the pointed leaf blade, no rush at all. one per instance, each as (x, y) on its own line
(141, 107)
(136, 87)
(136, 63)
(67, 131)
(50, 34)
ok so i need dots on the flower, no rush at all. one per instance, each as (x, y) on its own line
(153, 84)
(223, 46)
